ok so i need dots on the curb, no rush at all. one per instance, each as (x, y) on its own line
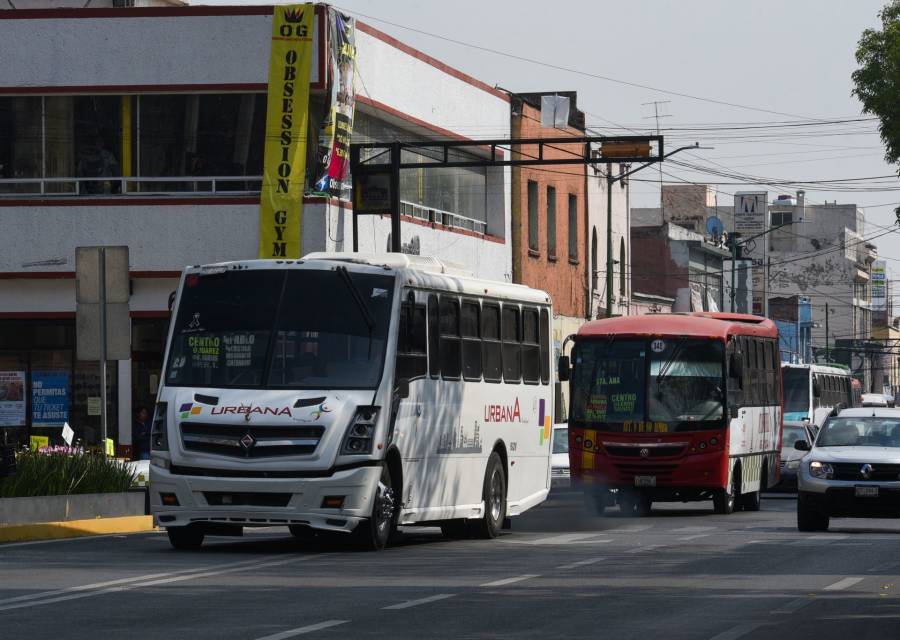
(75, 528)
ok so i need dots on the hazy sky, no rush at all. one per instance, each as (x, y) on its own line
(794, 57)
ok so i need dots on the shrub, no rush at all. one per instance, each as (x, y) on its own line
(64, 472)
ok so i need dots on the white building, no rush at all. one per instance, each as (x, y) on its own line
(174, 97)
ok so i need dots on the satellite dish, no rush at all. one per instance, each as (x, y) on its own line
(714, 227)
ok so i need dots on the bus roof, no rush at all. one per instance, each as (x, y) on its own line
(698, 324)
(831, 369)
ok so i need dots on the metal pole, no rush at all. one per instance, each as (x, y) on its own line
(355, 232)
(827, 354)
(609, 242)
(733, 260)
(103, 345)
(395, 198)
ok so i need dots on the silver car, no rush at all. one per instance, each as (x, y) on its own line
(790, 455)
(852, 470)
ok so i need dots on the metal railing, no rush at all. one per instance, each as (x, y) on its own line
(131, 186)
(438, 216)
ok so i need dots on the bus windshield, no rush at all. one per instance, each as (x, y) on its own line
(298, 329)
(656, 385)
(796, 389)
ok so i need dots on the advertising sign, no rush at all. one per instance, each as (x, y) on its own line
(287, 115)
(879, 285)
(49, 398)
(750, 212)
(12, 398)
(334, 138)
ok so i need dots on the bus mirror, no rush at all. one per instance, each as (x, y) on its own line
(736, 366)
(563, 368)
(402, 388)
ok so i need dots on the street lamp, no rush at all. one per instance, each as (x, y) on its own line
(610, 181)
(734, 245)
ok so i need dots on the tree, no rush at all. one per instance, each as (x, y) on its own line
(877, 81)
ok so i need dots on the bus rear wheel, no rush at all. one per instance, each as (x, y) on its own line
(494, 496)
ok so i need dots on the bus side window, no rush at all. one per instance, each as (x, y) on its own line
(412, 344)
(434, 366)
(770, 373)
(753, 396)
(492, 362)
(735, 392)
(531, 348)
(776, 373)
(471, 340)
(545, 346)
(511, 348)
(816, 390)
(450, 347)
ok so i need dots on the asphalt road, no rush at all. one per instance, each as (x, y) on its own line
(681, 572)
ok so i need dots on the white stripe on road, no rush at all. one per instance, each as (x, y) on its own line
(793, 605)
(299, 631)
(695, 536)
(693, 529)
(817, 540)
(580, 563)
(567, 538)
(738, 632)
(136, 584)
(649, 547)
(631, 529)
(415, 603)
(505, 581)
(840, 585)
(150, 536)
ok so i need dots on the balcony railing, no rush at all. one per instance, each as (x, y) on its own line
(438, 216)
(131, 186)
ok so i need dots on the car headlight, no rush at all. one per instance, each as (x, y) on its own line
(821, 470)
(793, 464)
(360, 432)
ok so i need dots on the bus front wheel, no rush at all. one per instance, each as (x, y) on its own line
(494, 496)
(724, 500)
(188, 538)
(373, 534)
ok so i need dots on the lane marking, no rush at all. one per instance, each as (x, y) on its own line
(739, 631)
(299, 631)
(792, 606)
(693, 529)
(566, 538)
(416, 603)
(883, 567)
(840, 585)
(631, 529)
(505, 581)
(581, 563)
(154, 582)
(814, 540)
(150, 536)
(649, 547)
(695, 536)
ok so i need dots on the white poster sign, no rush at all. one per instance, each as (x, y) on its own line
(12, 398)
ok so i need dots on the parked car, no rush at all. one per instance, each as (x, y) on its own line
(874, 400)
(559, 473)
(852, 469)
(794, 432)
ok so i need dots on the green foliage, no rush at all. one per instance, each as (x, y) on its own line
(877, 81)
(43, 474)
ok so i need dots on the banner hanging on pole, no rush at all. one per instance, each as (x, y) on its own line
(287, 115)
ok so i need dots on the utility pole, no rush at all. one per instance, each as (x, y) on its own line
(734, 245)
(827, 355)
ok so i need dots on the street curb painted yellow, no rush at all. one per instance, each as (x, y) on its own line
(75, 528)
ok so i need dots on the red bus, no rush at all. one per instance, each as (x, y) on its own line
(675, 407)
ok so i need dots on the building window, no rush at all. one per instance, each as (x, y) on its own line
(551, 223)
(532, 216)
(573, 228)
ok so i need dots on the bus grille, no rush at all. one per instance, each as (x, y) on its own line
(628, 451)
(661, 471)
(880, 472)
(250, 440)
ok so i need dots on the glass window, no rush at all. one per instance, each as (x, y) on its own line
(490, 342)
(533, 216)
(531, 350)
(450, 345)
(551, 222)
(608, 383)
(512, 351)
(412, 351)
(561, 440)
(573, 227)
(545, 346)
(860, 432)
(686, 382)
(796, 390)
(20, 143)
(434, 360)
(471, 344)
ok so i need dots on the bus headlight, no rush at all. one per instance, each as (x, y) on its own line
(821, 470)
(360, 432)
(159, 438)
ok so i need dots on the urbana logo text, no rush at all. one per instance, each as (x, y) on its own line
(263, 411)
(503, 413)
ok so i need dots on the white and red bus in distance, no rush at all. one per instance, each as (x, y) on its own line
(675, 407)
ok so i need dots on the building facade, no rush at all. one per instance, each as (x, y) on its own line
(145, 127)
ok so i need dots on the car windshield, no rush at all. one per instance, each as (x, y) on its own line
(561, 440)
(860, 432)
(796, 389)
(792, 435)
(300, 329)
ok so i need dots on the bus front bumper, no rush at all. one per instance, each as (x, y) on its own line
(263, 502)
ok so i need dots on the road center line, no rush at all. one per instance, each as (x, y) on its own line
(738, 632)
(415, 603)
(649, 547)
(695, 536)
(566, 538)
(840, 585)
(580, 563)
(632, 529)
(299, 631)
(505, 581)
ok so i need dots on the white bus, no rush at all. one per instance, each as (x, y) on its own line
(808, 387)
(350, 393)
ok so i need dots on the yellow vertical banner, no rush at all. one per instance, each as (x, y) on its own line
(287, 113)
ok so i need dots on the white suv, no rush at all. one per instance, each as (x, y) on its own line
(852, 470)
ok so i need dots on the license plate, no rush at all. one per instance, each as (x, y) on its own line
(866, 492)
(645, 481)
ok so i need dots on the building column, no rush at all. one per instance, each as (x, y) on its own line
(125, 417)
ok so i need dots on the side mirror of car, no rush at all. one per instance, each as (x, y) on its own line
(802, 445)
(564, 368)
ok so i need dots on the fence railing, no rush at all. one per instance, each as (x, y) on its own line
(131, 186)
(438, 216)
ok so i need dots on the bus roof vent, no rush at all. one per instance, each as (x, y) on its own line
(394, 261)
(731, 317)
